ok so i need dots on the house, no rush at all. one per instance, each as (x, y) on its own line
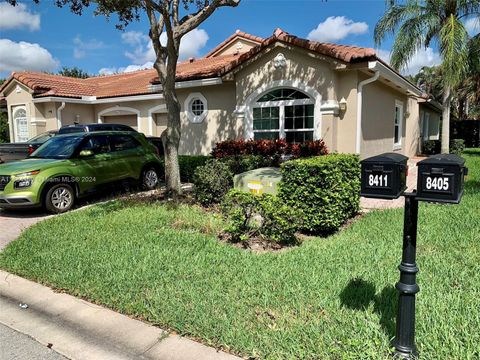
(246, 87)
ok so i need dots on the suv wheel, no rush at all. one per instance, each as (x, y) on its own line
(59, 198)
(150, 179)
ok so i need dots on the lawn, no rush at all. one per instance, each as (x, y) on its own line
(330, 298)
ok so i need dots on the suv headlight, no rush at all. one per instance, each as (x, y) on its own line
(29, 173)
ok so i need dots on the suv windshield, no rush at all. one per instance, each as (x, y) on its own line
(58, 147)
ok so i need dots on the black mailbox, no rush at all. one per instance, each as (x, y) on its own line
(384, 176)
(441, 178)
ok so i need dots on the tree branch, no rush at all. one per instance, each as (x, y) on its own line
(192, 21)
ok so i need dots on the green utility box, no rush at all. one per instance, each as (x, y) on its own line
(258, 181)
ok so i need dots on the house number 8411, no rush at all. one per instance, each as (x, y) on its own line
(377, 180)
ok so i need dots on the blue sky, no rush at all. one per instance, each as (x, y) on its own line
(44, 37)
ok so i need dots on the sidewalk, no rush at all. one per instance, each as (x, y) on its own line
(81, 330)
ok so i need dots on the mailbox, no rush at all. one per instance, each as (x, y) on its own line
(441, 178)
(384, 176)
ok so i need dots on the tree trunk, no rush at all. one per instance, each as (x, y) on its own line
(446, 119)
(173, 133)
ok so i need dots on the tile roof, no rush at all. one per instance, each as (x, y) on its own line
(139, 82)
(238, 34)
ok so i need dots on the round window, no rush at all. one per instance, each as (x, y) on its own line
(197, 107)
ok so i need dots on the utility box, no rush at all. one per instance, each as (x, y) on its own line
(441, 178)
(258, 181)
(384, 176)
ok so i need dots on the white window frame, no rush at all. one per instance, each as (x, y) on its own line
(399, 105)
(15, 123)
(196, 119)
(281, 104)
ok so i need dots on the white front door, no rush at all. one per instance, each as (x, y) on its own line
(20, 124)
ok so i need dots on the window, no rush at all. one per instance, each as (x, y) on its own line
(123, 142)
(284, 114)
(20, 124)
(196, 107)
(98, 144)
(397, 131)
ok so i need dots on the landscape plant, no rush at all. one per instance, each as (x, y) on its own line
(265, 217)
(417, 24)
(325, 189)
(212, 181)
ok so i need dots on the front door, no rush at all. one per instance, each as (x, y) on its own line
(20, 124)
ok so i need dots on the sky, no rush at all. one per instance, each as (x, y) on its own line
(46, 38)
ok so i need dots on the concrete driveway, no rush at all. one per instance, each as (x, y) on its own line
(12, 223)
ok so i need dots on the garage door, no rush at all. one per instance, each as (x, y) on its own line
(130, 120)
(160, 124)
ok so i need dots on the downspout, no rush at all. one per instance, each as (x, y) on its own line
(358, 139)
(59, 115)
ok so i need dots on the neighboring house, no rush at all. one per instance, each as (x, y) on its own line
(247, 87)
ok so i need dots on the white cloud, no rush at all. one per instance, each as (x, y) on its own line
(423, 57)
(472, 26)
(336, 28)
(18, 17)
(17, 56)
(191, 45)
(129, 68)
(81, 47)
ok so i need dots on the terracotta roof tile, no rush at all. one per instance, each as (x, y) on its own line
(139, 82)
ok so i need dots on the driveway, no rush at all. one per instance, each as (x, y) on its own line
(12, 223)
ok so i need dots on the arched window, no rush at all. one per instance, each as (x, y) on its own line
(20, 124)
(284, 113)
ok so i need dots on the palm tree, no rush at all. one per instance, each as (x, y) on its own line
(418, 24)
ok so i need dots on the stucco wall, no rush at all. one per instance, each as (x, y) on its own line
(18, 95)
(378, 115)
(412, 128)
(347, 120)
(220, 123)
(238, 46)
(301, 67)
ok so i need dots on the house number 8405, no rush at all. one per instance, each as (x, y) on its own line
(437, 183)
(377, 180)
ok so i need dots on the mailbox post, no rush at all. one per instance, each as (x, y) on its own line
(441, 180)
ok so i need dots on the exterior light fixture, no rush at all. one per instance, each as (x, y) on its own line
(342, 104)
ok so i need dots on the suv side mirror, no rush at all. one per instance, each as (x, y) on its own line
(86, 153)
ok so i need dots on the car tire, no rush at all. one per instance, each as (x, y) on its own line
(59, 198)
(150, 178)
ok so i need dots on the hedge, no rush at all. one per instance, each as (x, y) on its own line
(188, 164)
(324, 188)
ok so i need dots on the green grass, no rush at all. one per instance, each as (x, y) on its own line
(331, 298)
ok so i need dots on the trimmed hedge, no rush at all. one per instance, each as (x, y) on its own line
(188, 164)
(325, 189)
(212, 181)
(457, 146)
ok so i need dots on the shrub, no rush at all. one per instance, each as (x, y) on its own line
(241, 163)
(188, 164)
(259, 216)
(274, 150)
(212, 181)
(457, 146)
(431, 147)
(324, 188)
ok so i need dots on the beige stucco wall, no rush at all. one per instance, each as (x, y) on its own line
(18, 95)
(220, 123)
(378, 114)
(412, 128)
(302, 68)
(83, 113)
(347, 120)
(238, 46)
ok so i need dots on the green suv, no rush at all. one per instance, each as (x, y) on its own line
(67, 167)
